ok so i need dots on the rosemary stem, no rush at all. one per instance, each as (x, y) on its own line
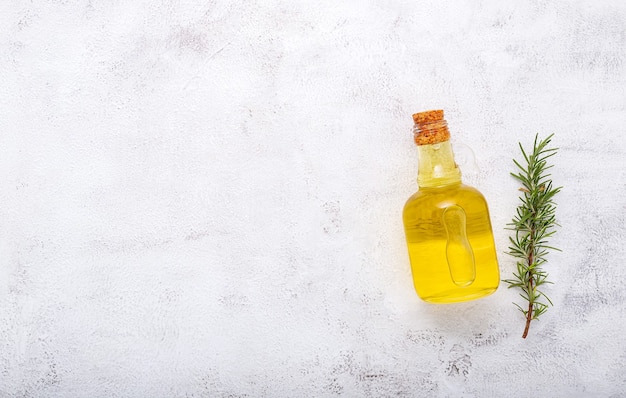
(529, 314)
(531, 276)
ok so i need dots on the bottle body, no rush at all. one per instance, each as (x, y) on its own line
(451, 246)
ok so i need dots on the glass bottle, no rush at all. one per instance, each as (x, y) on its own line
(447, 225)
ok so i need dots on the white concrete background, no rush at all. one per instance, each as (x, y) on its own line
(203, 199)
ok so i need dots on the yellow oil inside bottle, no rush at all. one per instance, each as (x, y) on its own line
(447, 225)
(442, 272)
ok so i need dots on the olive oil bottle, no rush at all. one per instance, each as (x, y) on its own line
(447, 225)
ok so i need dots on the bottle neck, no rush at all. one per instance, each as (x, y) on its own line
(436, 165)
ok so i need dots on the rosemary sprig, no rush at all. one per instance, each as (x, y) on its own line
(533, 224)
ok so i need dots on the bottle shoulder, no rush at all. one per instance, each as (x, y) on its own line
(444, 196)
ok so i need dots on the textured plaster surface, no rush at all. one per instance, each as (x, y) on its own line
(203, 199)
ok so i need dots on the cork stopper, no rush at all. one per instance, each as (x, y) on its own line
(428, 116)
(430, 127)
